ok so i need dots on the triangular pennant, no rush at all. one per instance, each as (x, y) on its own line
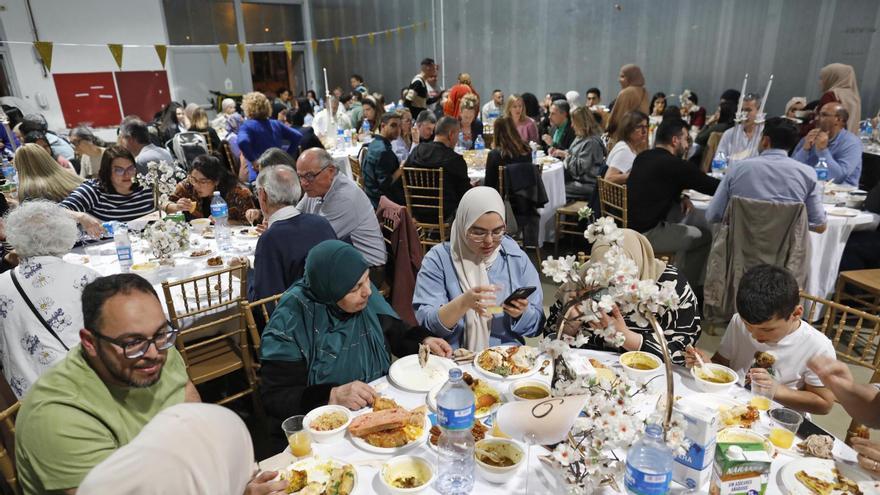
(44, 48)
(162, 52)
(372, 38)
(242, 51)
(116, 51)
(336, 44)
(288, 47)
(314, 45)
(354, 41)
(224, 51)
(388, 35)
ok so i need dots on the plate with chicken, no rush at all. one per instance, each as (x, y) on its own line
(390, 428)
(505, 362)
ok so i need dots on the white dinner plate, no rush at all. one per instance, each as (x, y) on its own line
(248, 233)
(821, 468)
(190, 254)
(426, 433)
(431, 401)
(319, 469)
(843, 212)
(407, 374)
(534, 369)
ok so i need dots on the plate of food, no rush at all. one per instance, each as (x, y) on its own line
(318, 476)
(248, 233)
(200, 253)
(487, 400)
(843, 212)
(390, 428)
(409, 373)
(812, 476)
(148, 266)
(208, 233)
(731, 412)
(508, 361)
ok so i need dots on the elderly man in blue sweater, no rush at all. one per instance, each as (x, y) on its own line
(840, 148)
(281, 252)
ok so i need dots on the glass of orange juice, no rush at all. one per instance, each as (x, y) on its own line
(761, 397)
(785, 424)
(297, 436)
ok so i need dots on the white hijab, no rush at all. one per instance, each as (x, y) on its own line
(187, 449)
(472, 268)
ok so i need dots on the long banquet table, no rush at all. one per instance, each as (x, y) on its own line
(540, 478)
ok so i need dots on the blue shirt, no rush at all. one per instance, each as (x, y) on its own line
(843, 156)
(770, 176)
(437, 284)
(257, 135)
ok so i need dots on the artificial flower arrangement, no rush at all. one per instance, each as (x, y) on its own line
(165, 238)
(609, 422)
(162, 177)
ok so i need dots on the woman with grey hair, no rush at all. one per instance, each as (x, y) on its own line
(90, 148)
(40, 308)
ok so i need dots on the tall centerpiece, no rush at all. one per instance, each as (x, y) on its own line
(162, 177)
(610, 422)
(164, 237)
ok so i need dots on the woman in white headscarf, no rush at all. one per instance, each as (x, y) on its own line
(455, 291)
(681, 327)
(838, 83)
(187, 449)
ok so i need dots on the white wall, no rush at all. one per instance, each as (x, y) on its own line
(81, 21)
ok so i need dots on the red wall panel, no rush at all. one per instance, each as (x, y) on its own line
(88, 97)
(143, 93)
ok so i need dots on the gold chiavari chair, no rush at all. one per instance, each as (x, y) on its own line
(423, 188)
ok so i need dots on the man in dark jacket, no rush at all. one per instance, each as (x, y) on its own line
(439, 153)
(561, 134)
(381, 168)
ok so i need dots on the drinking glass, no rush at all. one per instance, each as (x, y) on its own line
(785, 424)
(297, 436)
(762, 396)
(500, 295)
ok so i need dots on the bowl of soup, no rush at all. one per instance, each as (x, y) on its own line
(529, 389)
(639, 365)
(498, 459)
(406, 474)
(200, 224)
(714, 377)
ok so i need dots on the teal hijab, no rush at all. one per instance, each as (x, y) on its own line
(338, 347)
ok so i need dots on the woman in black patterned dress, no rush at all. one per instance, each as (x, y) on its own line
(681, 326)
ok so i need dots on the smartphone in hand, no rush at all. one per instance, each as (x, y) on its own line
(521, 293)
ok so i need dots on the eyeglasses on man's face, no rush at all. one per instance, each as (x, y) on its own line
(135, 347)
(311, 176)
(479, 235)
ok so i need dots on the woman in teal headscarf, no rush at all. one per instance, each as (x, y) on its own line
(330, 335)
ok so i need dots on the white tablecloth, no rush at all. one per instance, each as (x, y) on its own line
(826, 248)
(340, 158)
(554, 183)
(540, 478)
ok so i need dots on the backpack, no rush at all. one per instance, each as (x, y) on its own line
(186, 146)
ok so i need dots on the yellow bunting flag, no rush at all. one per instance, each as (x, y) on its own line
(224, 51)
(372, 38)
(116, 51)
(288, 47)
(354, 41)
(336, 44)
(242, 51)
(44, 48)
(388, 35)
(314, 45)
(162, 52)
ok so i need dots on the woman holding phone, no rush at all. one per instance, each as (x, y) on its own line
(463, 287)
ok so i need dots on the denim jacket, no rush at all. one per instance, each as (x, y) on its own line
(437, 284)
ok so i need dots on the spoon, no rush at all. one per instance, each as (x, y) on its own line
(706, 371)
(491, 455)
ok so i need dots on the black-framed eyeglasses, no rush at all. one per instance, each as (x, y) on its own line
(135, 347)
(311, 176)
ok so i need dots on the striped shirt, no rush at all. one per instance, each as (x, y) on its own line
(91, 198)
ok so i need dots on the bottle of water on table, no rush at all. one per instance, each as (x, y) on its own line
(220, 212)
(455, 415)
(459, 146)
(365, 130)
(123, 245)
(341, 144)
(479, 144)
(719, 164)
(649, 464)
(821, 175)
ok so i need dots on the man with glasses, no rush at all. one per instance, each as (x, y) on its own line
(135, 137)
(840, 148)
(123, 372)
(338, 199)
(381, 168)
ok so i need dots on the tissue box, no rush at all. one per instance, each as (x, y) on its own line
(700, 426)
(740, 469)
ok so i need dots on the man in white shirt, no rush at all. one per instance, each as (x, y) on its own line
(741, 141)
(769, 321)
(494, 108)
(321, 124)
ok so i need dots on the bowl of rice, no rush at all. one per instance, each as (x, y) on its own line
(327, 424)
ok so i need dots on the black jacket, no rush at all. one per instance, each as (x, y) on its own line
(455, 174)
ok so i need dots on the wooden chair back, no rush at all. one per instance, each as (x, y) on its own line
(231, 161)
(7, 453)
(854, 333)
(263, 307)
(207, 136)
(423, 189)
(213, 337)
(613, 202)
(356, 172)
(709, 152)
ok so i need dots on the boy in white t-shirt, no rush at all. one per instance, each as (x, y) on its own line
(769, 320)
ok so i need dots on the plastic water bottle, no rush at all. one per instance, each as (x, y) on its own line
(867, 132)
(455, 414)
(649, 464)
(365, 130)
(479, 144)
(719, 163)
(123, 245)
(822, 175)
(10, 174)
(340, 139)
(220, 212)
(459, 146)
(347, 135)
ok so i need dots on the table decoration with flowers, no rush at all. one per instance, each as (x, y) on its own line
(165, 238)
(162, 177)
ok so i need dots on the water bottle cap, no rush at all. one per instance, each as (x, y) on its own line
(216, 193)
(654, 431)
(455, 374)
